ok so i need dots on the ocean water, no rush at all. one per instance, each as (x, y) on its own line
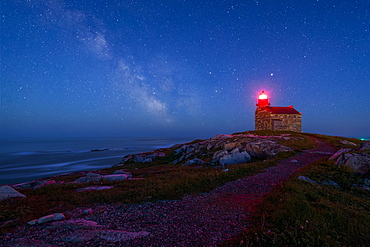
(25, 159)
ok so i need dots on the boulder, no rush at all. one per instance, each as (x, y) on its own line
(219, 154)
(235, 158)
(231, 145)
(359, 162)
(143, 158)
(184, 149)
(8, 192)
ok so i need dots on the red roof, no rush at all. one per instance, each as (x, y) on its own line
(281, 110)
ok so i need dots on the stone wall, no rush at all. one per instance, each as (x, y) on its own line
(264, 120)
(291, 122)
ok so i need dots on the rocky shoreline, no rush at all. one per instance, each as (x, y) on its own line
(206, 219)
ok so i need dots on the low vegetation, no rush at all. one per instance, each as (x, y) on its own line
(161, 181)
(335, 141)
(299, 213)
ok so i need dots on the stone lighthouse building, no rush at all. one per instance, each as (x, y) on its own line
(276, 118)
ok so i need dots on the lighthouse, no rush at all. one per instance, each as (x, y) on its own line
(276, 117)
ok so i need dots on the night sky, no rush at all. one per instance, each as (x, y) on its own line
(180, 68)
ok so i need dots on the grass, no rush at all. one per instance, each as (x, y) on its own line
(299, 213)
(335, 140)
(163, 181)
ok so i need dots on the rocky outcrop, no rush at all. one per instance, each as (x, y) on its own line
(219, 150)
(228, 149)
(357, 159)
(8, 192)
(359, 162)
(264, 149)
(146, 157)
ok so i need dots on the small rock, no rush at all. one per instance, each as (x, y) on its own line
(59, 216)
(88, 211)
(115, 177)
(90, 177)
(307, 179)
(345, 142)
(330, 182)
(129, 174)
(32, 222)
(367, 182)
(94, 188)
(8, 192)
(46, 219)
(294, 161)
(75, 224)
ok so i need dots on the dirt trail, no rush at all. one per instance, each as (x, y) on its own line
(204, 220)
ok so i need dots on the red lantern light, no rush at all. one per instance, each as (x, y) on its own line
(262, 95)
(263, 100)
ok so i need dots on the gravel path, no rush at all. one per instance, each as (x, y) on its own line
(204, 220)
